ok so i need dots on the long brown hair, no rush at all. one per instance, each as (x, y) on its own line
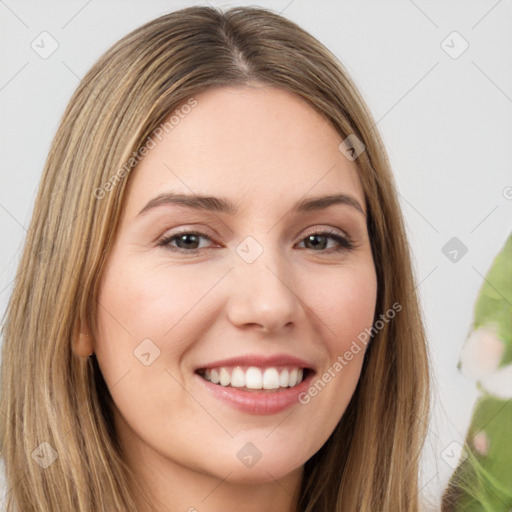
(49, 395)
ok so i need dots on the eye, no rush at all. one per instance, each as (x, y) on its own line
(187, 241)
(319, 240)
(190, 241)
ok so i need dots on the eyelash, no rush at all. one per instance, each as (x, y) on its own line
(344, 242)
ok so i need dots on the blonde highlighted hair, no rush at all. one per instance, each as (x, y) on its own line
(50, 395)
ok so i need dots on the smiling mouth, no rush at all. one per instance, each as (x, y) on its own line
(256, 379)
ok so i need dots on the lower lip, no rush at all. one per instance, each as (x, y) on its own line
(254, 402)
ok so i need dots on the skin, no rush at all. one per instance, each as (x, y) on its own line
(265, 149)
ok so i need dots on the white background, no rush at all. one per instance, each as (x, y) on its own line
(447, 125)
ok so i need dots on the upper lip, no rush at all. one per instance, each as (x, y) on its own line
(260, 361)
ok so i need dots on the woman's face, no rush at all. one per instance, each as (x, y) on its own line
(244, 286)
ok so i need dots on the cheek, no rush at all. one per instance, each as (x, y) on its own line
(347, 306)
(148, 309)
(139, 313)
(138, 303)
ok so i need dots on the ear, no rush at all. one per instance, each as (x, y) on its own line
(82, 343)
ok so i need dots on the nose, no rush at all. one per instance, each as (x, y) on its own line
(262, 294)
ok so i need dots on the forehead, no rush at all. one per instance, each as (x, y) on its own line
(257, 145)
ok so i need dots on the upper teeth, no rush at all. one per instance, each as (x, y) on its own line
(254, 377)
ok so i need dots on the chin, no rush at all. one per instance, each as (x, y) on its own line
(249, 465)
(260, 473)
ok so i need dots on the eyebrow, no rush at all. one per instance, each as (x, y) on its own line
(224, 205)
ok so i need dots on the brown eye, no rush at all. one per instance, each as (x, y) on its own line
(319, 241)
(188, 241)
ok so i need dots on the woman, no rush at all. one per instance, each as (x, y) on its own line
(278, 362)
